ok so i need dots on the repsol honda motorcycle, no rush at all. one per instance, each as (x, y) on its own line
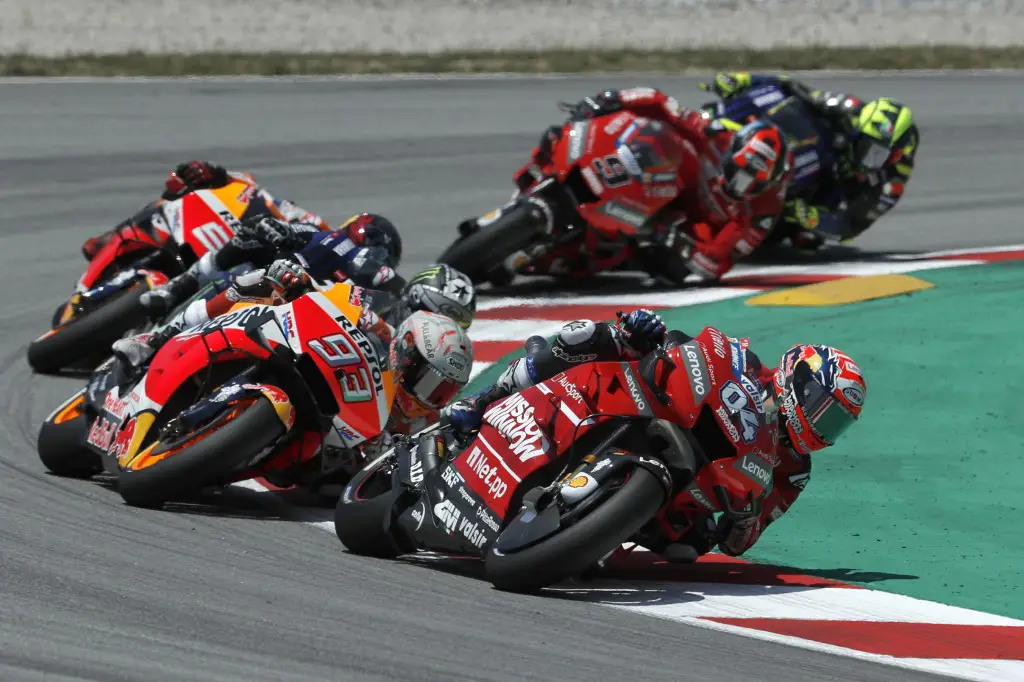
(249, 393)
(140, 255)
(560, 474)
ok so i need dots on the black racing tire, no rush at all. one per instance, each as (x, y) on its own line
(90, 336)
(581, 545)
(478, 253)
(364, 511)
(62, 450)
(200, 465)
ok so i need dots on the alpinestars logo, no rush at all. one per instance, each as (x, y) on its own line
(513, 419)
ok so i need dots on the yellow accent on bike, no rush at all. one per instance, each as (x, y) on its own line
(143, 422)
(229, 196)
(730, 124)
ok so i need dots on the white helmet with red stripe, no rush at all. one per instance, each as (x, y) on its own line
(432, 357)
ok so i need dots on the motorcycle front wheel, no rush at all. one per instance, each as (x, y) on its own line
(88, 337)
(579, 546)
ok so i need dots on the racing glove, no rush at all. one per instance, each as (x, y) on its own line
(645, 329)
(287, 279)
(270, 233)
(201, 175)
(727, 83)
(464, 416)
(606, 102)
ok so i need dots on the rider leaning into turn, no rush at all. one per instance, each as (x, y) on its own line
(732, 184)
(195, 175)
(875, 144)
(429, 351)
(817, 392)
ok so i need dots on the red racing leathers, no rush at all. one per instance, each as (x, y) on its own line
(722, 228)
(736, 533)
(586, 341)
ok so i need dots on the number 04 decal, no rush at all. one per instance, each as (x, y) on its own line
(736, 399)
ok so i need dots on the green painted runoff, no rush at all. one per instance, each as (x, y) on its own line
(923, 496)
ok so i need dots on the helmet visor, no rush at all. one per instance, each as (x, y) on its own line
(826, 415)
(429, 386)
(872, 154)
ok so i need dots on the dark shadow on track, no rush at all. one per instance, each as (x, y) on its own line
(632, 282)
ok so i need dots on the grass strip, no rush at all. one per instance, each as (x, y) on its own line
(547, 61)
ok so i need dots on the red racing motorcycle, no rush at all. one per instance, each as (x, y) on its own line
(141, 254)
(585, 210)
(250, 393)
(561, 474)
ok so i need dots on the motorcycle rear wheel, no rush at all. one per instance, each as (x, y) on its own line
(479, 252)
(571, 551)
(201, 457)
(60, 443)
(89, 336)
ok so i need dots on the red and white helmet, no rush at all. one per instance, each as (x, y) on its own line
(432, 357)
(822, 393)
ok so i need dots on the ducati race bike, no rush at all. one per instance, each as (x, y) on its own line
(584, 211)
(140, 255)
(250, 393)
(561, 474)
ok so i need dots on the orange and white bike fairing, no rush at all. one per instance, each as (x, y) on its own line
(322, 324)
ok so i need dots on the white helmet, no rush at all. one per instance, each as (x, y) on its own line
(432, 358)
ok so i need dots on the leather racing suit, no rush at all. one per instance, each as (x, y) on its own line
(723, 228)
(584, 341)
(847, 202)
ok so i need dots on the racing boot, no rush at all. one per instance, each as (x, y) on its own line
(162, 300)
(135, 352)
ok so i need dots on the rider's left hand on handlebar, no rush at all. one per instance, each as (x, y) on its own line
(606, 102)
(646, 329)
(270, 232)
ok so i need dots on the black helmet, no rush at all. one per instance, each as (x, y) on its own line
(443, 290)
(370, 229)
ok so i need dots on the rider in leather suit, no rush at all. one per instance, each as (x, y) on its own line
(817, 392)
(732, 184)
(195, 175)
(875, 143)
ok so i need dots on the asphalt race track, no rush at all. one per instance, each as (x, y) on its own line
(240, 589)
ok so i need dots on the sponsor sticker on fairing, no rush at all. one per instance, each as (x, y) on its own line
(513, 418)
(635, 392)
(696, 370)
(489, 473)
